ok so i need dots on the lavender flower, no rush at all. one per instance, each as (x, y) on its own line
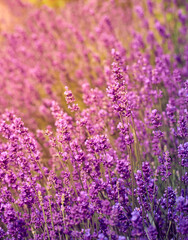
(93, 121)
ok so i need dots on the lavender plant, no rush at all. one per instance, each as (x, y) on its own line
(101, 150)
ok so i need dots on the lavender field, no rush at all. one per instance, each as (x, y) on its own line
(93, 120)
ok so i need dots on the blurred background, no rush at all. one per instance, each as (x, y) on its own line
(51, 3)
(10, 15)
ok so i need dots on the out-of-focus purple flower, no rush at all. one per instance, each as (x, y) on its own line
(183, 226)
(137, 223)
(168, 202)
(165, 166)
(161, 29)
(121, 238)
(69, 96)
(101, 236)
(183, 154)
(150, 4)
(152, 232)
(182, 17)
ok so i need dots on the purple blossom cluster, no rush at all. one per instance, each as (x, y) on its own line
(93, 122)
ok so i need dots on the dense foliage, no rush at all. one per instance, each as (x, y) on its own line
(101, 151)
